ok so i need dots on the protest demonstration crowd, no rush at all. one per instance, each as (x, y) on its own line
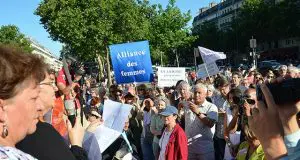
(68, 115)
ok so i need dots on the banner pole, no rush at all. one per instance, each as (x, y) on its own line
(206, 70)
(195, 58)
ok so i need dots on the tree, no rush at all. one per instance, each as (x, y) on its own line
(11, 35)
(169, 31)
(90, 26)
(268, 21)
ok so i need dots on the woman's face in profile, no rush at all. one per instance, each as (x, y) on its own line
(22, 111)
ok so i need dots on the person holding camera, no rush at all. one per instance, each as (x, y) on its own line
(274, 122)
(64, 85)
(200, 119)
(232, 125)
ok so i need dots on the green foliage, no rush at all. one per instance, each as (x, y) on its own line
(10, 35)
(88, 26)
(169, 31)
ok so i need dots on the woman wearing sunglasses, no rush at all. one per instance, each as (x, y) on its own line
(232, 131)
(250, 149)
(269, 77)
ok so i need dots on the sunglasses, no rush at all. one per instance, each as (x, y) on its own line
(270, 76)
(119, 95)
(250, 101)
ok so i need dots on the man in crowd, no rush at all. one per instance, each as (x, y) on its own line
(219, 99)
(200, 118)
(236, 79)
(282, 71)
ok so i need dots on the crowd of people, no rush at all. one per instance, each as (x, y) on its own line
(231, 115)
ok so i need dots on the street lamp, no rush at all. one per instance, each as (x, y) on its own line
(174, 51)
(161, 59)
(253, 46)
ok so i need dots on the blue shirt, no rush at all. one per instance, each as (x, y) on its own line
(292, 142)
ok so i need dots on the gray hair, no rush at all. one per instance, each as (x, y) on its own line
(293, 69)
(101, 90)
(211, 87)
(164, 99)
(183, 84)
(200, 86)
(283, 67)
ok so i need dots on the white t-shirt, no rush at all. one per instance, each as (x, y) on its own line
(163, 142)
(234, 137)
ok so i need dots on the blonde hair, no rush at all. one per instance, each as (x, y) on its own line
(248, 133)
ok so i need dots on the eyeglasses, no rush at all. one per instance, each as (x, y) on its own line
(118, 94)
(52, 83)
(257, 77)
(270, 76)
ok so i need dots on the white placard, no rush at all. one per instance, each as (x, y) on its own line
(168, 76)
(212, 70)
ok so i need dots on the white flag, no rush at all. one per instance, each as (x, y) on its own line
(209, 56)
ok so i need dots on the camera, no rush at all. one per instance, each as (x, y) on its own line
(240, 100)
(287, 91)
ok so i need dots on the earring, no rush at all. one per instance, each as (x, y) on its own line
(5, 131)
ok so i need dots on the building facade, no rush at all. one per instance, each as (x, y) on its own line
(282, 50)
(48, 57)
(221, 14)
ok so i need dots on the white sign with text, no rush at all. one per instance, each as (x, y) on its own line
(168, 76)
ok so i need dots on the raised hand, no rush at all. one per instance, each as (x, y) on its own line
(76, 133)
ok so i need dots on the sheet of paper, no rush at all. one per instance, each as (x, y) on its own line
(115, 114)
(105, 137)
(114, 117)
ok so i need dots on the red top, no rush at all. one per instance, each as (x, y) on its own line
(58, 117)
(177, 146)
(62, 78)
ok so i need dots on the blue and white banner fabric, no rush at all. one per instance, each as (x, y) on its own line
(131, 62)
(209, 56)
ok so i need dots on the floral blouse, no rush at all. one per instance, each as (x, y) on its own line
(10, 153)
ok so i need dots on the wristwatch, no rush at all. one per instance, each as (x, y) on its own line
(198, 114)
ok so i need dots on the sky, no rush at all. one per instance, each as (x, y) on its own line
(20, 13)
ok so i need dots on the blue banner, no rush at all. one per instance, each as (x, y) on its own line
(131, 62)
